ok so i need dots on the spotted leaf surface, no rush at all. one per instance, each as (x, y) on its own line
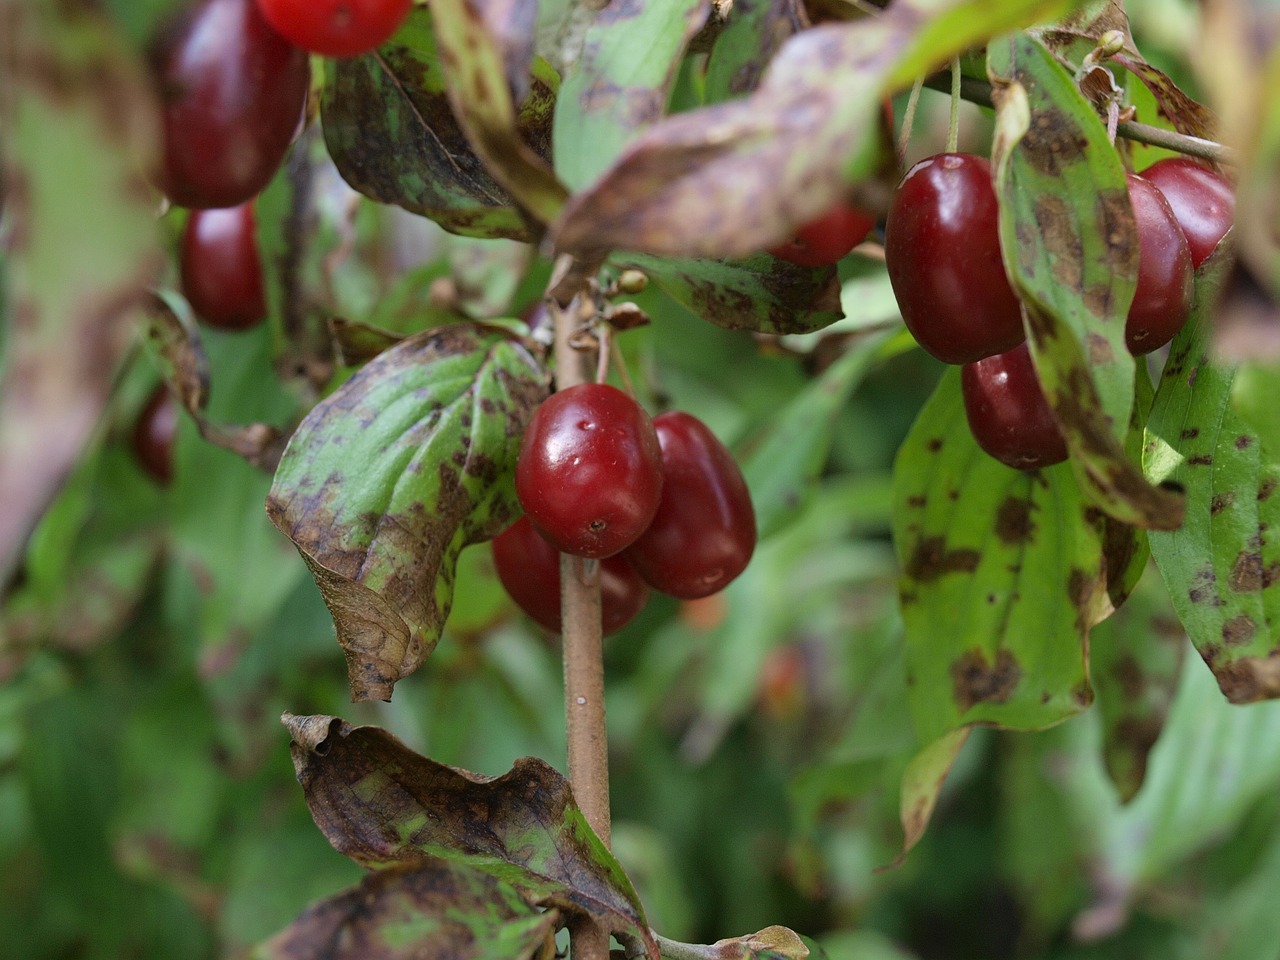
(1222, 568)
(1002, 577)
(755, 30)
(383, 805)
(1070, 248)
(387, 479)
(393, 134)
(432, 911)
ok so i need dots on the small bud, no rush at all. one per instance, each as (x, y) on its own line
(632, 281)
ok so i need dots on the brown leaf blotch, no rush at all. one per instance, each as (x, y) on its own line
(931, 559)
(975, 680)
(1246, 573)
(1268, 487)
(1013, 521)
(1249, 679)
(1204, 587)
(1221, 501)
(1201, 460)
(1243, 442)
(1128, 674)
(1239, 630)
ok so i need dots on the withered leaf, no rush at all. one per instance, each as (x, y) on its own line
(388, 478)
(429, 911)
(382, 805)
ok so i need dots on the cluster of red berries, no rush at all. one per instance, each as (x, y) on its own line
(942, 250)
(661, 503)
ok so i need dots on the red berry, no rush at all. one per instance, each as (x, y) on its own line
(705, 529)
(1162, 300)
(942, 250)
(336, 28)
(154, 433)
(232, 93)
(1008, 412)
(1203, 203)
(221, 269)
(590, 470)
(529, 568)
(827, 239)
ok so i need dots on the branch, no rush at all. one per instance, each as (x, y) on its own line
(979, 92)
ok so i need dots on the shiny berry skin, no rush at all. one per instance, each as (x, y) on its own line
(336, 28)
(1162, 300)
(1008, 412)
(827, 239)
(154, 433)
(705, 530)
(529, 568)
(590, 470)
(942, 251)
(221, 269)
(1203, 203)
(232, 92)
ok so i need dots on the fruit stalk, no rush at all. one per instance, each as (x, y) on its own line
(583, 652)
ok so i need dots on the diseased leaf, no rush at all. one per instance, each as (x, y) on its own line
(387, 479)
(1222, 566)
(621, 82)
(922, 782)
(735, 178)
(391, 131)
(771, 943)
(355, 344)
(1002, 577)
(80, 127)
(476, 71)
(760, 293)
(755, 31)
(429, 911)
(382, 805)
(1070, 247)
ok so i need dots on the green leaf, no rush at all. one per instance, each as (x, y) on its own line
(1222, 566)
(1070, 247)
(734, 178)
(80, 129)
(759, 293)
(475, 67)
(784, 461)
(771, 943)
(382, 805)
(621, 81)
(1003, 576)
(390, 129)
(432, 911)
(755, 31)
(388, 479)
(922, 782)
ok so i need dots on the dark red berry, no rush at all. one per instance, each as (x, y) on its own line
(942, 250)
(1203, 203)
(827, 239)
(1008, 413)
(1162, 300)
(154, 433)
(232, 92)
(336, 28)
(529, 568)
(590, 470)
(705, 529)
(221, 269)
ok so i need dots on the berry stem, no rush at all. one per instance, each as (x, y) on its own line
(979, 92)
(953, 122)
(585, 728)
(908, 121)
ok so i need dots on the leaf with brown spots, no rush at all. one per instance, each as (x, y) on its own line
(388, 478)
(752, 35)
(392, 132)
(1002, 577)
(760, 293)
(1222, 568)
(735, 178)
(1136, 659)
(922, 782)
(432, 911)
(79, 128)
(383, 805)
(1070, 247)
(620, 84)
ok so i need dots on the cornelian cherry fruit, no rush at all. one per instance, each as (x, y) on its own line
(589, 473)
(704, 532)
(220, 267)
(1162, 300)
(154, 433)
(336, 28)
(1203, 203)
(1008, 411)
(529, 568)
(942, 251)
(827, 239)
(232, 92)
